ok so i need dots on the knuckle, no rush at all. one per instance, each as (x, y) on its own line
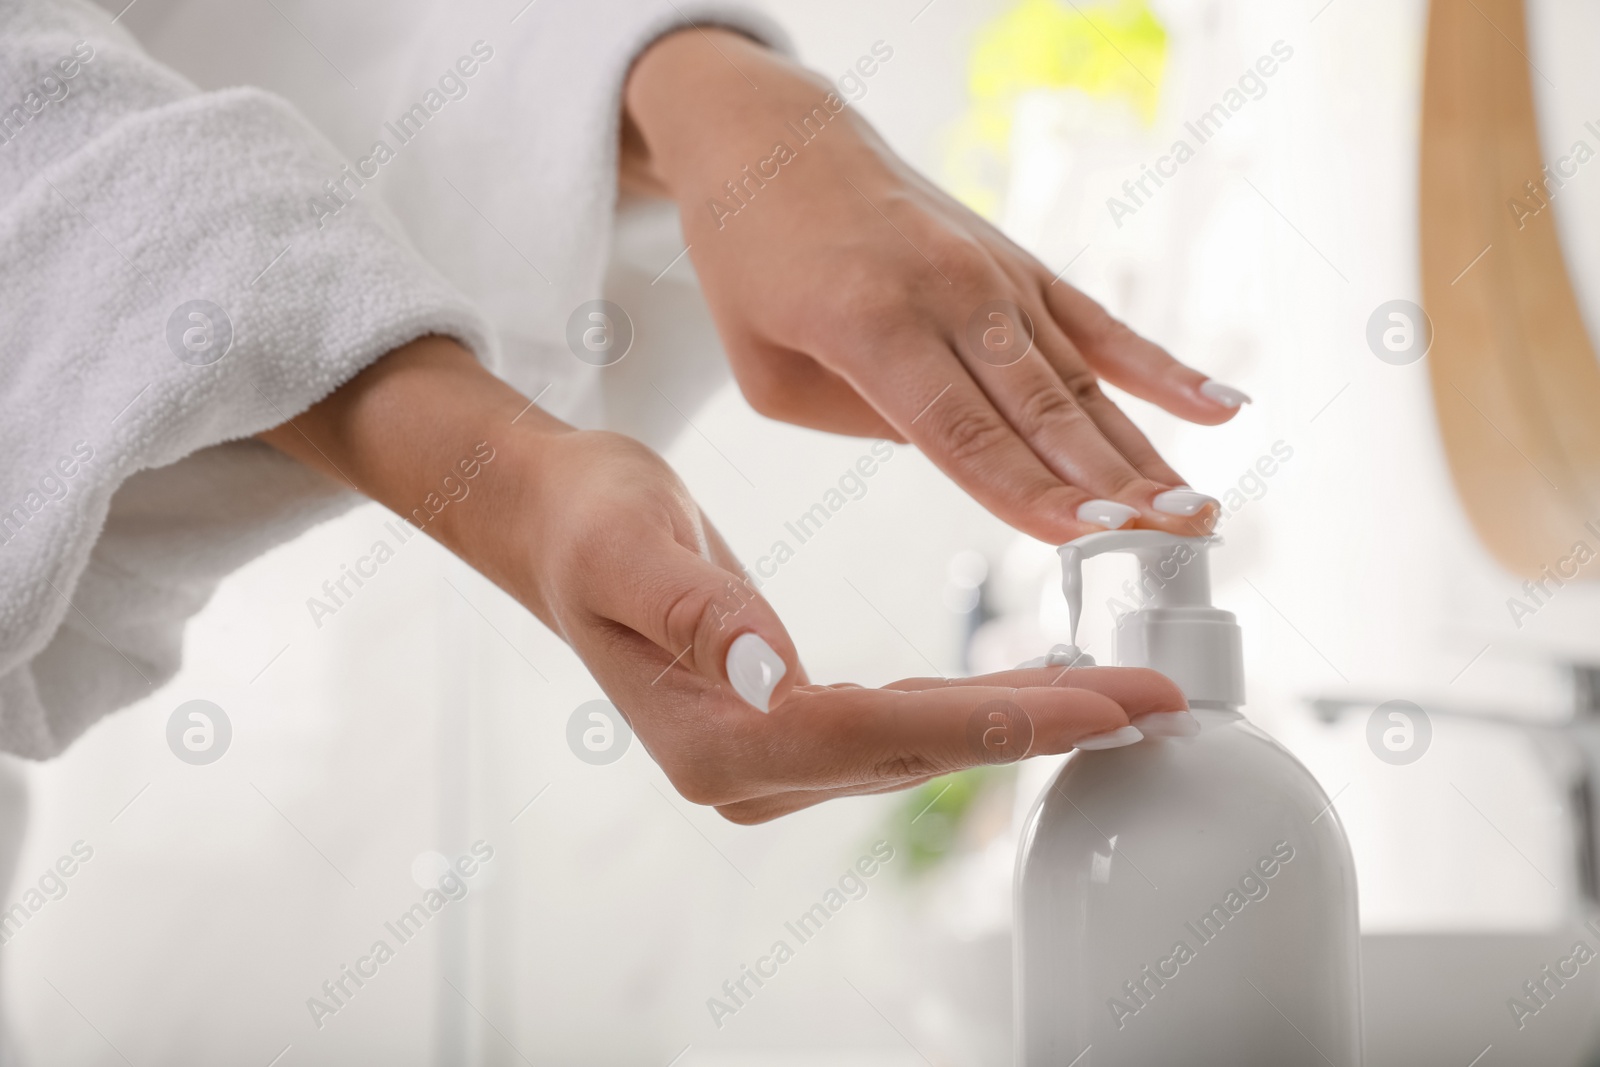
(1083, 385)
(963, 262)
(904, 765)
(870, 300)
(688, 612)
(969, 432)
(1044, 406)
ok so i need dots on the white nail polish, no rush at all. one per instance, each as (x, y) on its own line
(1226, 395)
(754, 669)
(1122, 735)
(1107, 513)
(1181, 502)
(1167, 724)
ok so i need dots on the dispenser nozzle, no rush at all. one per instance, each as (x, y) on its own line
(1176, 630)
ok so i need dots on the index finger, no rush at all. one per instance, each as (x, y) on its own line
(824, 738)
(1141, 367)
(932, 399)
(1140, 690)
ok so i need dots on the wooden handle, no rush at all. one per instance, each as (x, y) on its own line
(1515, 381)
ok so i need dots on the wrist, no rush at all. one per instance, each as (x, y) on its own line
(702, 102)
(432, 435)
(508, 536)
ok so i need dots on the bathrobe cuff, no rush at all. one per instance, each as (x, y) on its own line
(526, 228)
(169, 290)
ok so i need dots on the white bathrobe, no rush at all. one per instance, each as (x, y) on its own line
(180, 270)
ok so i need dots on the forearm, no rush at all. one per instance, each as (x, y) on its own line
(432, 435)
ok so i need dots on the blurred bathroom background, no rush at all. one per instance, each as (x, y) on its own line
(433, 713)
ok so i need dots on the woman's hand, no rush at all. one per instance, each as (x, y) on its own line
(854, 296)
(635, 577)
(596, 535)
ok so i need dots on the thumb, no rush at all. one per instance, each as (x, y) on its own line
(709, 620)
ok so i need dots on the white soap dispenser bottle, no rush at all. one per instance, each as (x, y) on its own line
(1184, 900)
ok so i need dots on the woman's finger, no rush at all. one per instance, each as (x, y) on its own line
(1179, 510)
(723, 556)
(705, 618)
(1084, 385)
(1132, 687)
(1047, 412)
(1055, 403)
(830, 738)
(921, 388)
(1136, 365)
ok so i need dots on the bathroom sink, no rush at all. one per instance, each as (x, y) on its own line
(1444, 1000)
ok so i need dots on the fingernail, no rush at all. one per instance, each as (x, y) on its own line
(1168, 724)
(1226, 395)
(1107, 513)
(754, 669)
(1181, 501)
(1122, 735)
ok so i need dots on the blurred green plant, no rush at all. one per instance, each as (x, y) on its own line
(934, 819)
(1112, 50)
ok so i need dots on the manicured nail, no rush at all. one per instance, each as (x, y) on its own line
(1226, 395)
(1122, 735)
(1168, 724)
(754, 669)
(1181, 502)
(1107, 513)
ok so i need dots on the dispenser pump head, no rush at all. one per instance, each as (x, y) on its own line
(1173, 628)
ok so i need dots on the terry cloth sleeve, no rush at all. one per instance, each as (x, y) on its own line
(164, 296)
(511, 191)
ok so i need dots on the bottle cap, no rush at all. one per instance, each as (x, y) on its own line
(1174, 628)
